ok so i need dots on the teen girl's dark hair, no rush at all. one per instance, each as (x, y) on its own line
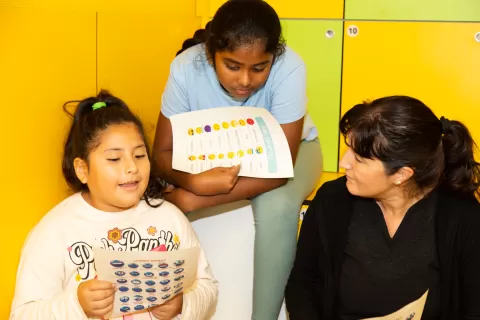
(240, 23)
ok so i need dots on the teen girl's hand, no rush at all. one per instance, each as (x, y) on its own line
(169, 309)
(96, 297)
(219, 180)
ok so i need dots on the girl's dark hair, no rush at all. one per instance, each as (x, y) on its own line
(401, 132)
(84, 134)
(238, 23)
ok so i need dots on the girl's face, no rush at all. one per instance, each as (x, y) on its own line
(117, 171)
(243, 71)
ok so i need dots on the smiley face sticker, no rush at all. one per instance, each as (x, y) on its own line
(250, 121)
(216, 127)
(225, 125)
(240, 153)
(192, 158)
(250, 151)
(211, 156)
(259, 150)
(221, 156)
(199, 130)
(242, 122)
(190, 132)
(233, 123)
(231, 155)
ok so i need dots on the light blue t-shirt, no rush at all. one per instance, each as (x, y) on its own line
(193, 85)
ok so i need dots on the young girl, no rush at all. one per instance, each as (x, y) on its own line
(243, 61)
(117, 205)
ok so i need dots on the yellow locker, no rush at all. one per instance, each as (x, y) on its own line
(46, 58)
(166, 8)
(326, 9)
(134, 56)
(438, 63)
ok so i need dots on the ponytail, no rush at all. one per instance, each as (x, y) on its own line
(462, 172)
(198, 37)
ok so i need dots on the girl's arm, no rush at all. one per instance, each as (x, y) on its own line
(40, 292)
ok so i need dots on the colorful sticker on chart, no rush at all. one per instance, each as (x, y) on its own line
(211, 157)
(221, 156)
(208, 128)
(133, 265)
(231, 155)
(179, 262)
(117, 263)
(240, 153)
(250, 151)
(137, 290)
(150, 290)
(233, 123)
(190, 132)
(163, 265)
(216, 127)
(199, 130)
(225, 125)
(242, 122)
(250, 121)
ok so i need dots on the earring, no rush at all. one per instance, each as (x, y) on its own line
(397, 182)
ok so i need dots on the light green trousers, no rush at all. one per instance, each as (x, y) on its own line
(276, 216)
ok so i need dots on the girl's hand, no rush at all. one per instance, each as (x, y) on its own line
(169, 309)
(219, 180)
(96, 297)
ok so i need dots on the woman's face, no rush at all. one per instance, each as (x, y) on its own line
(367, 178)
(243, 71)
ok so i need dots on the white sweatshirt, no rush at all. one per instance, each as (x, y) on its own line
(57, 257)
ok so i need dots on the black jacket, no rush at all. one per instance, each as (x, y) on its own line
(312, 287)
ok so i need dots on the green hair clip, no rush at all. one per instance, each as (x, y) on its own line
(98, 105)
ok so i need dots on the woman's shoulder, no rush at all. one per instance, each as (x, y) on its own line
(332, 190)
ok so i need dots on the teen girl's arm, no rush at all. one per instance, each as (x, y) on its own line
(289, 108)
(39, 291)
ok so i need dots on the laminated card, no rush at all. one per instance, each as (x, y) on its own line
(145, 279)
(223, 137)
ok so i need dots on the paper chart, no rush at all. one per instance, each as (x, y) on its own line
(145, 279)
(223, 137)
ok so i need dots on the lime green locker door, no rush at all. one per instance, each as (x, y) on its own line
(319, 43)
(432, 10)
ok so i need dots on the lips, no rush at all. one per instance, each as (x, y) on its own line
(243, 92)
(130, 185)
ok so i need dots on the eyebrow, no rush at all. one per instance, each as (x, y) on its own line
(239, 63)
(121, 149)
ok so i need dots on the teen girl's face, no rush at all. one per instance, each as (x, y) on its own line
(118, 169)
(243, 71)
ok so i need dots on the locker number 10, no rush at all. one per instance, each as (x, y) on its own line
(352, 31)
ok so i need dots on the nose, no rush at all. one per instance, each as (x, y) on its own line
(244, 79)
(347, 159)
(131, 166)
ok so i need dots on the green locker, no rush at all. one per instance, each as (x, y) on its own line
(319, 43)
(431, 10)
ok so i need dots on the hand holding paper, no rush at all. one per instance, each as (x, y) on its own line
(146, 279)
(218, 180)
(224, 137)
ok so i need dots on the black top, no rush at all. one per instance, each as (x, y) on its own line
(313, 287)
(381, 274)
